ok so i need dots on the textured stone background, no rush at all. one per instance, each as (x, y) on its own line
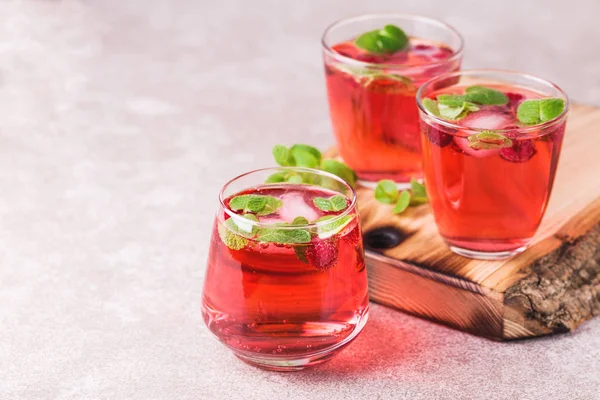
(120, 120)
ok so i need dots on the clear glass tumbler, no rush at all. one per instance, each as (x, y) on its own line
(286, 285)
(489, 174)
(372, 96)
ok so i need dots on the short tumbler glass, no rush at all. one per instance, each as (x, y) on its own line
(488, 202)
(372, 97)
(284, 292)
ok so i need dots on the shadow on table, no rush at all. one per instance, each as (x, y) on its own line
(384, 343)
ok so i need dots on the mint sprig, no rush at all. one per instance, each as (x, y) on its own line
(234, 233)
(253, 203)
(387, 192)
(333, 203)
(488, 140)
(485, 96)
(537, 111)
(388, 40)
(302, 155)
(283, 236)
(454, 107)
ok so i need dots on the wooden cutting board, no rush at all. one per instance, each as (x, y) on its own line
(552, 287)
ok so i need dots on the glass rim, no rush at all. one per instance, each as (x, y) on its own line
(489, 71)
(340, 57)
(315, 224)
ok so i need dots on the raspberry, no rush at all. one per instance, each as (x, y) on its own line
(436, 136)
(322, 254)
(521, 150)
(514, 99)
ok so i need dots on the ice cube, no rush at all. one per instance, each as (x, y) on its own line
(294, 206)
(488, 119)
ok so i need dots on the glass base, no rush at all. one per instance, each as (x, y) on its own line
(486, 255)
(287, 364)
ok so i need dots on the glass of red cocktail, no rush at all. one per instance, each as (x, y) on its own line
(491, 144)
(286, 285)
(374, 66)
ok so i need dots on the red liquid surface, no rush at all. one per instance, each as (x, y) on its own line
(375, 120)
(490, 200)
(264, 301)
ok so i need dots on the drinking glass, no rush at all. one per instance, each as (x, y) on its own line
(284, 292)
(372, 97)
(488, 202)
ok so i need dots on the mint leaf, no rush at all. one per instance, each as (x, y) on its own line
(387, 40)
(230, 239)
(339, 169)
(536, 111)
(334, 203)
(402, 202)
(487, 140)
(335, 226)
(419, 194)
(486, 96)
(451, 100)
(321, 203)
(470, 107)
(248, 203)
(304, 148)
(305, 159)
(294, 179)
(272, 204)
(233, 230)
(254, 203)
(282, 156)
(300, 221)
(276, 177)
(551, 108)
(386, 191)
(431, 106)
(452, 113)
(284, 236)
(338, 202)
(369, 41)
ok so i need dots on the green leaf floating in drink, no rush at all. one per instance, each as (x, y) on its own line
(283, 236)
(485, 96)
(336, 225)
(253, 203)
(390, 39)
(453, 107)
(333, 203)
(235, 232)
(488, 140)
(537, 111)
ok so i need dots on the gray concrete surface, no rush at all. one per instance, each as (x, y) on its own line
(120, 120)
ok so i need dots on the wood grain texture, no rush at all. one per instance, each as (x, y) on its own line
(552, 287)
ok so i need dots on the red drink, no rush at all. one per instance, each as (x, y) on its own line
(372, 97)
(489, 197)
(287, 306)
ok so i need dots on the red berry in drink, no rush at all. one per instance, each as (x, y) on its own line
(437, 136)
(322, 253)
(522, 150)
